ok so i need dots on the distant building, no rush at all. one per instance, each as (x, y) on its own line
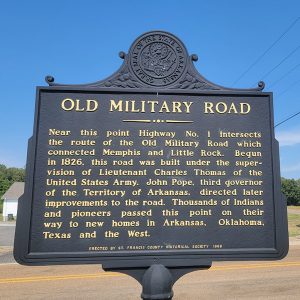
(11, 197)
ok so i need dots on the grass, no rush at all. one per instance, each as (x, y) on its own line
(294, 224)
(294, 207)
(294, 220)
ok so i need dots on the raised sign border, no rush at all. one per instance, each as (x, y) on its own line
(170, 257)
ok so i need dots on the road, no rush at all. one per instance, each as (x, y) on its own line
(225, 280)
(7, 233)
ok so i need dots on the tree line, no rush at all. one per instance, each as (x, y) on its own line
(8, 176)
(291, 190)
(290, 187)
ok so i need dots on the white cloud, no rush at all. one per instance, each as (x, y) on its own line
(288, 138)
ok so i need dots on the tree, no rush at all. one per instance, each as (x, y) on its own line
(291, 189)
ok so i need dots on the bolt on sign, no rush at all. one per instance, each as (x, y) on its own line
(153, 164)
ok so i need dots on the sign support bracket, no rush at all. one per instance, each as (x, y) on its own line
(156, 279)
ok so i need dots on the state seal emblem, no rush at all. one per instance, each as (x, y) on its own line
(158, 59)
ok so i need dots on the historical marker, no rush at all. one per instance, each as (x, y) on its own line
(154, 166)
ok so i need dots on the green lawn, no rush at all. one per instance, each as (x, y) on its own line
(294, 224)
(293, 207)
(294, 220)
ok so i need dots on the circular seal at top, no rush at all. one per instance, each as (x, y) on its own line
(158, 58)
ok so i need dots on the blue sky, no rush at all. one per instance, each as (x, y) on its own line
(79, 41)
